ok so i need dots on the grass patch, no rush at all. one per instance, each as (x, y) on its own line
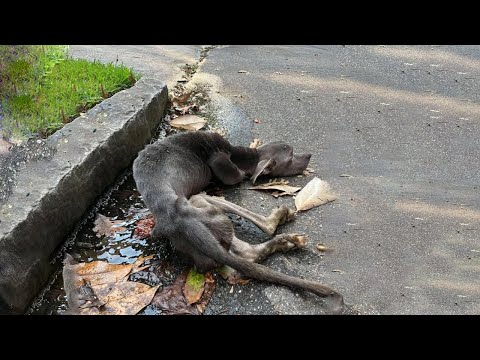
(42, 89)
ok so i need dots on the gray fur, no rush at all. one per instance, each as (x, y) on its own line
(170, 173)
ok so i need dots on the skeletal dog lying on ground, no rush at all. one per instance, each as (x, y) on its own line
(171, 174)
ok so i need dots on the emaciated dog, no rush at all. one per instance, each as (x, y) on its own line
(171, 174)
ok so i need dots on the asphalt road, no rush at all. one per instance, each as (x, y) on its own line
(403, 122)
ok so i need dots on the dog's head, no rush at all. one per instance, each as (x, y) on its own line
(277, 159)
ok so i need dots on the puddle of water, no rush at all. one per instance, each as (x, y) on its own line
(123, 202)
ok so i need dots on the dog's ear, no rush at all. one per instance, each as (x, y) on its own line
(263, 168)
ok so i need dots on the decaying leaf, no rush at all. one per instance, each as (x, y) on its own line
(308, 171)
(323, 248)
(124, 298)
(188, 122)
(254, 144)
(104, 226)
(171, 300)
(281, 185)
(232, 276)
(315, 193)
(101, 288)
(139, 264)
(144, 227)
(194, 286)
(209, 288)
(182, 98)
(184, 109)
(99, 272)
(5, 146)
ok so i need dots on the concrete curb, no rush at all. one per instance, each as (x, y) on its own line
(52, 195)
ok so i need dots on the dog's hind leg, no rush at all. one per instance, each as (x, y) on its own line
(268, 224)
(258, 252)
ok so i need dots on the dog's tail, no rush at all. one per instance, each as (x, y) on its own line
(201, 238)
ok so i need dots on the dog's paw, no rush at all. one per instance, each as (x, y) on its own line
(286, 242)
(283, 213)
(300, 240)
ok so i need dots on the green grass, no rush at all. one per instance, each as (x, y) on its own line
(42, 89)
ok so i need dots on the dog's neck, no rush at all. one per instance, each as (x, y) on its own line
(245, 158)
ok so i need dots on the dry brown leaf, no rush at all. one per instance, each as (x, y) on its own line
(116, 291)
(131, 304)
(104, 226)
(194, 286)
(255, 143)
(5, 146)
(207, 293)
(308, 171)
(99, 272)
(184, 110)
(181, 99)
(138, 264)
(171, 300)
(99, 288)
(323, 248)
(315, 193)
(188, 122)
(282, 186)
(232, 276)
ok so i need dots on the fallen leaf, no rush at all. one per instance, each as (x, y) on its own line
(188, 122)
(242, 72)
(346, 175)
(171, 300)
(144, 227)
(181, 99)
(183, 110)
(257, 121)
(254, 144)
(194, 286)
(323, 248)
(5, 146)
(281, 186)
(315, 193)
(124, 298)
(277, 194)
(207, 292)
(99, 288)
(139, 264)
(232, 276)
(104, 226)
(308, 171)
(337, 271)
(99, 272)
